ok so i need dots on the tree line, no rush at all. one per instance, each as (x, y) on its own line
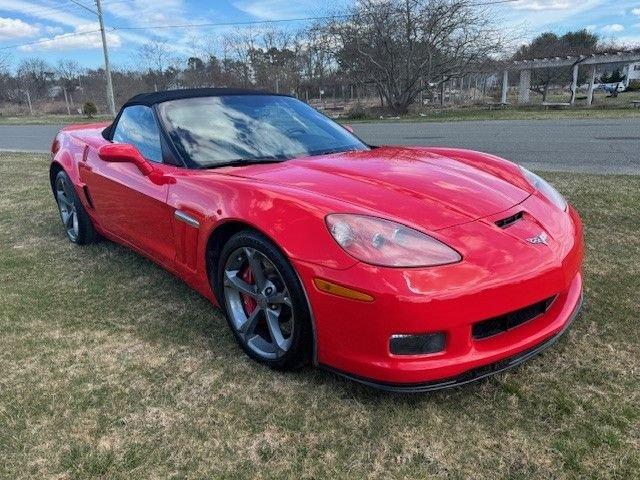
(399, 50)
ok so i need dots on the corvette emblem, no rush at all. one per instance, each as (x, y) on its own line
(540, 239)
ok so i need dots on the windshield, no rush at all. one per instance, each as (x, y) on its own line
(214, 131)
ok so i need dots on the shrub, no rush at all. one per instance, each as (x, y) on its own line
(89, 109)
(634, 86)
(357, 112)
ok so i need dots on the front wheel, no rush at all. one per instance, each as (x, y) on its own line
(74, 218)
(264, 302)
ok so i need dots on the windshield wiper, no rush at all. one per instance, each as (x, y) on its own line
(331, 151)
(239, 162)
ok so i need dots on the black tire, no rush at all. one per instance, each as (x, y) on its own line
(296, 311)
(81, 230)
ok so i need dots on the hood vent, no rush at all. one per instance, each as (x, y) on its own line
(506, 222)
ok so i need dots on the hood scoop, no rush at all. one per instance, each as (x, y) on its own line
(508, 221)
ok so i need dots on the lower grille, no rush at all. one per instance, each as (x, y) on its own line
(496, 325)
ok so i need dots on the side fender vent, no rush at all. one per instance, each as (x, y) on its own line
(87, 195)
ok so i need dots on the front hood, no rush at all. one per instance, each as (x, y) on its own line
(404, 184)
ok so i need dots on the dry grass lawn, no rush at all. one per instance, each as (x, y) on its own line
(112, 368)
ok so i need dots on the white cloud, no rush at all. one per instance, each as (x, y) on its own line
(529, 22)
(43, 12)
(51, 14)
(630, 41)
(142, 13)
(636, 11)
(613, 28)
(277, 9)
(85, 36)
(15, 28)
(51, 29)
(146, 15)
(541, 5)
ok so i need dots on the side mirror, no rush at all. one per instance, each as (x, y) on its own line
(348, 128)
(125, 153)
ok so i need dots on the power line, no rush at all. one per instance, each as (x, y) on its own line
(494, 2)
(217, 24)
(186, 25)
(282, 20)
(82, 5)
(114, 2)
(44, 9)
(230, 24)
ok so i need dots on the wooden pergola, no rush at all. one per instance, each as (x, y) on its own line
(524, 67)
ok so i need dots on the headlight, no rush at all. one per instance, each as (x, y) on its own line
(382, 242)
(545, 188)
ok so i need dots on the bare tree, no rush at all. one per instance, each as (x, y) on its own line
(406, 46)
(274, 59)
(158, 63)
(34, 75)
(5, 61)
(68, 72)
(241, 44)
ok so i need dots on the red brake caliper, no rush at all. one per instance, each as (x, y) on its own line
(248, 303)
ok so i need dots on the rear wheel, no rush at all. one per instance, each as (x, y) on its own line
(264, 302)
(73, 215)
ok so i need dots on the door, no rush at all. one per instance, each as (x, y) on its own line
(127, 203)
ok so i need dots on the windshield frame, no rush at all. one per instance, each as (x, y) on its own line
(189, 163)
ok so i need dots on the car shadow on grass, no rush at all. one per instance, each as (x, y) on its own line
(173, 313)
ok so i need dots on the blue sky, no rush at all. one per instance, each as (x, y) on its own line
(26, 21)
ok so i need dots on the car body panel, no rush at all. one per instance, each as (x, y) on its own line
(425, 189)
(449, 298)
(454, 195)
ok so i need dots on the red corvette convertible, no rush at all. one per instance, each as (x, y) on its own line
(405, 268)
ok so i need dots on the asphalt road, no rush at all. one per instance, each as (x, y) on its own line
(599, 146)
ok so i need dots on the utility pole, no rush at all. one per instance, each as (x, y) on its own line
(66, 100)
(107, 68)
(29, 102)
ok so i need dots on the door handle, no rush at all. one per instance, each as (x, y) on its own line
(186, 218)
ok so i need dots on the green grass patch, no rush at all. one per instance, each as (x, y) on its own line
(603, 107)
(52, 119)
(112, 368)
(507, 113)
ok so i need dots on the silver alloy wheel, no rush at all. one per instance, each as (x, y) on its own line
(67, 207)
(260, 309)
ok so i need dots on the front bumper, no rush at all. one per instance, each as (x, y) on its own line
(499, 274)
(473, 375)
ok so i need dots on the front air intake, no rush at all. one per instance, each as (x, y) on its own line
(497, 325)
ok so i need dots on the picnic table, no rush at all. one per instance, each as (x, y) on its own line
(493, 105)
(558, 105)
(635, 103)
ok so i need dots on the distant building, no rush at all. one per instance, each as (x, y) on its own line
(54, 90)
(631, 72)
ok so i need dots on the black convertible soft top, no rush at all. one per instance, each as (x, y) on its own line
(151, 98)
